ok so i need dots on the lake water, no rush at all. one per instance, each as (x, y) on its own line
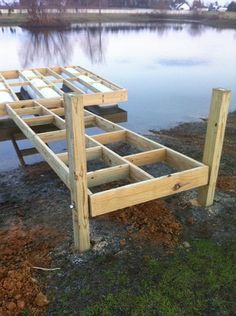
(169, 69)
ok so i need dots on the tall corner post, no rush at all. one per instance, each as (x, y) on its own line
(75, 131)
(214, 142)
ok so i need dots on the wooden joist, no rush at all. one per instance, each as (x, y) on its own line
(133, 185)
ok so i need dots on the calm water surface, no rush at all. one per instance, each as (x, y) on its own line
(169, 69)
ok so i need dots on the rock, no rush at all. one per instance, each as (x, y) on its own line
(41, 300)
(11, 306)
(186, 244)
(100, 246)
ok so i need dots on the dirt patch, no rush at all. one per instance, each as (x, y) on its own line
(226, 183)
(151, 221)
(21, 249)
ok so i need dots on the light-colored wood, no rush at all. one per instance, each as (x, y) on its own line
(147, 157)
(58, 121)
(107, 175)
(29, 111)
(105, 125)
(53, 136)
(117, 94)
(91, 154)
(39, 120)
(214, 142)
(56, 164)
(180, 161)
(118, 198)
(78, 170)
(143, 186)
(110, 137)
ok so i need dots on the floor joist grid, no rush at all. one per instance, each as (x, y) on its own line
(41, 83)
(122, 181)
(106, 167)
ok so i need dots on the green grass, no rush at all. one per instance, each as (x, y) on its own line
(199, 282)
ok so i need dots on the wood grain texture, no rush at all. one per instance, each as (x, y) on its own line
(214, 142)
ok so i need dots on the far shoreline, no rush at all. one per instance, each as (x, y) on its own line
(214, 19)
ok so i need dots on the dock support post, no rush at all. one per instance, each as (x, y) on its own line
(214, 142)
(74, 112)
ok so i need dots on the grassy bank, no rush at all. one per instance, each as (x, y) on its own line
(208, 18)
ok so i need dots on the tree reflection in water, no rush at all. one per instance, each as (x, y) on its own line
(50, 47)
(47, 46)
(93, 43)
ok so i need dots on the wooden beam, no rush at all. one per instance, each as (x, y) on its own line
(214, 142)
(91, 154)
(74, 109)
(53, 136)
(180, 161)
(147, 157)
(56, 164)
(107, 175)
(28, 111)
(110, 137)
(118, 198)
(58, 121)
(39, 120)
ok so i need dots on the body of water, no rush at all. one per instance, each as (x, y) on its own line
(169, 69)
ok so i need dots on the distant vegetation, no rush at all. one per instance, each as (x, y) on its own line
(62, 5)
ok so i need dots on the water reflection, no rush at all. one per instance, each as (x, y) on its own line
(46, 45)
(57, 46)
(93, 43)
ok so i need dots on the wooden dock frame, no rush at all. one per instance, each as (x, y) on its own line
(81, 147)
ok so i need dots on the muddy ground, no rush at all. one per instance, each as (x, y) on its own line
(40, 274)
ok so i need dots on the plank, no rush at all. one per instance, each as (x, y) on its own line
(78, 170)
(214, 142)
(56, 164)
(53, 136)
(118, 198)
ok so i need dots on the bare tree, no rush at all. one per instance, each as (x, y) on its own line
(38, 11)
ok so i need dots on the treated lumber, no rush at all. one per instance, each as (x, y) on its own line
(28, 111)
(214, 142)
(58, 122)
(39, 120)
(56, 164)
(147, 157)
(110, 137)
(91, 154)
(107, 175)
(53, 136)
(180, 161)
(105, 125)
(78, 170)
(118, 198)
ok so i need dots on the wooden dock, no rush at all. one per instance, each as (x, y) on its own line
(122, 180)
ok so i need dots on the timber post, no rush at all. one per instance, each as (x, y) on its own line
(75, 130)
(214, 142)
